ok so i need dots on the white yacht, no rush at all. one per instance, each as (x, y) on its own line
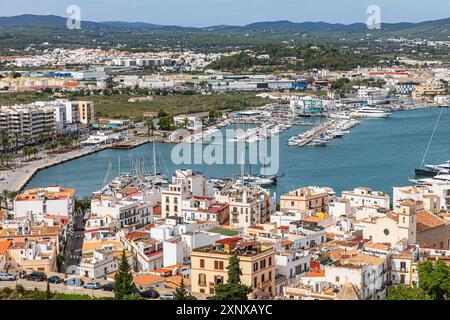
(369, 112)
(444, 167)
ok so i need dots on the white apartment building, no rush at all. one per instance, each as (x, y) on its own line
(99, 265)
(366, 197)
(248, 205)
(27, 120)
(367, 273)
(185, 185)
(53, 200)
(292, 263)
(126, 211)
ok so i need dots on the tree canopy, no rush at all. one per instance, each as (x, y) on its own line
(233, 289)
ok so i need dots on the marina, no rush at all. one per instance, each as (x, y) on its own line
(380, 154)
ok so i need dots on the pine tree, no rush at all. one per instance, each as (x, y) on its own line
(181, 293)
(233, 289)
(123, 280)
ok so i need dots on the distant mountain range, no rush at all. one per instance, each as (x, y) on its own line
(27, 20)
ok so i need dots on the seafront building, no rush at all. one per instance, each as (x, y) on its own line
(31, 121)
(27, 120)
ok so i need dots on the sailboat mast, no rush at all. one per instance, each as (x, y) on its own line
(431, 139)
(154, 159)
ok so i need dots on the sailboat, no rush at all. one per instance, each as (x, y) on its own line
(156, 177)
(432, 170)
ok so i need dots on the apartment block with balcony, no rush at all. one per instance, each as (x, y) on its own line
(248, 205)
(209, 266)
(27, 120)
(307, 200)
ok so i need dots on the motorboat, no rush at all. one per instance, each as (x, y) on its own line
(369, 112)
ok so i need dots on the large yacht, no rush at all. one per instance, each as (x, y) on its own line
(369, 112)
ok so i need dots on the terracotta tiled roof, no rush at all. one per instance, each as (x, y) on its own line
(148, 279)
(4, 245)
(426, 220)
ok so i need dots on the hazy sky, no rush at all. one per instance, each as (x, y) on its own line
(201, 13)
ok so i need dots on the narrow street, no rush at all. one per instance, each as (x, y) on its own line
(74, 245)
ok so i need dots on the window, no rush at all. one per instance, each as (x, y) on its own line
(255, 266)
(386, 232)
(270, 275)
(218, 265)
(202, 263)
(292, 203)
(263, 264)
(270, 261)
(402, 279)
(402, 265)
(255, 281)
(337, 279)
(218, 279)
(202, 280)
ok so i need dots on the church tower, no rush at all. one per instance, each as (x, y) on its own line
(407, 223)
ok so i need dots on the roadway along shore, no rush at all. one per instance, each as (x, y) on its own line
(16, 179)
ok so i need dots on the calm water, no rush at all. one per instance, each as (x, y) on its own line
(378, 153)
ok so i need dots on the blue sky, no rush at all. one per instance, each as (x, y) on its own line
(200, 13)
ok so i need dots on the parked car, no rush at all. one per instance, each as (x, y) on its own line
(55, 279)
(92, 285)
(168, 296)
(74, 282)
(150, 294)
(36, 276)
(7, 277)
(107, 287)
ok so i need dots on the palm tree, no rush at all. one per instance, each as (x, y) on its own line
(4, 139)
(150, 127)
(3, 158)
(5, 195)
(17, 137)
(26, 151)
(34, 151)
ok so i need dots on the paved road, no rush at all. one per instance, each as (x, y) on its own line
(14, 180)
(74, 245)
(42, 286)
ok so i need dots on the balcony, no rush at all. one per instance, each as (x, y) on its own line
(264, 284)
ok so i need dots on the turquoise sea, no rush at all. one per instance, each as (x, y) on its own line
(379, 153)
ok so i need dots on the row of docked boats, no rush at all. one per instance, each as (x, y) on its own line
(323, 134)
(265, 131)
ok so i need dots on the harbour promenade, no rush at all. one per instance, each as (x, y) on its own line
(17, 178)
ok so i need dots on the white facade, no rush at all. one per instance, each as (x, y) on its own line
(52, 200)
(366, 197)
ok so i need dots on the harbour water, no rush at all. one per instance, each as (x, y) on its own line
(378, 154)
